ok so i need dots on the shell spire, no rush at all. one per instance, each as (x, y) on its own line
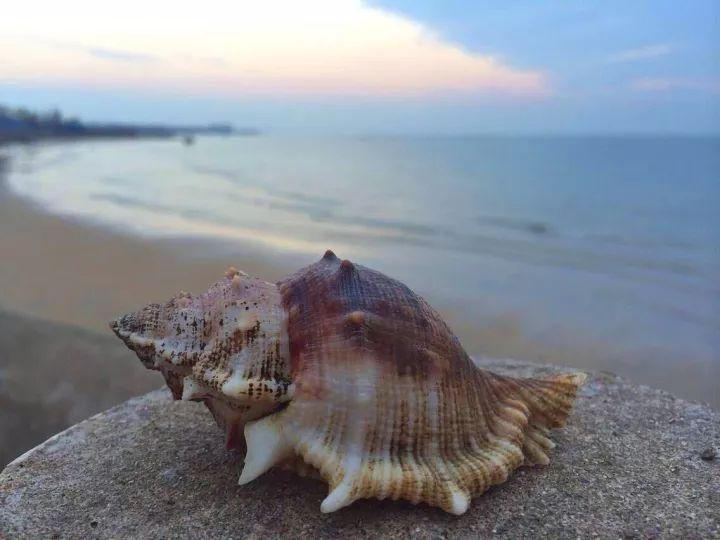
(227, 348)
(367, 386)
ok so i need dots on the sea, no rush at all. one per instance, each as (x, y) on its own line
(595, 252)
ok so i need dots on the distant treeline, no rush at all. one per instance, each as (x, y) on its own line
(21, 124)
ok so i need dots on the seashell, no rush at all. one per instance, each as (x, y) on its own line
(341, 372)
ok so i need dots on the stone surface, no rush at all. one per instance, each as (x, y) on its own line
(628, 464)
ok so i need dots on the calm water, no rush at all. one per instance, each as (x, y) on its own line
(599, 252)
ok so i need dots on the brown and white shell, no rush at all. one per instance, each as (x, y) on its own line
(342, 370)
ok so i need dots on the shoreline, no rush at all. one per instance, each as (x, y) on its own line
(62, 270)
(72, 271)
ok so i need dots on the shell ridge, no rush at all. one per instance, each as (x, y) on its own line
(549, 401)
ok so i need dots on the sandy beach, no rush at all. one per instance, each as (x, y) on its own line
(62, 280)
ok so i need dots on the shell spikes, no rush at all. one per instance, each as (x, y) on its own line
(341, 371)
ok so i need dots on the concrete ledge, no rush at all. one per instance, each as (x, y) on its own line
(632, 462)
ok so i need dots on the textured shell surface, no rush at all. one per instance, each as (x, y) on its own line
(341, 372)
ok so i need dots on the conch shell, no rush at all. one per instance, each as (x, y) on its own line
(341, 370)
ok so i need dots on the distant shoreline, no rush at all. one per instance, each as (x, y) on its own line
(6, 138)
(29, 137)
(22, 125)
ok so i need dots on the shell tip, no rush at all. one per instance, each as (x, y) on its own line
(356, 318)
(346, 266)
(459, 502)
(115, 326)
(337, 498)
(231, 272)
(266, 447)
(329, 255)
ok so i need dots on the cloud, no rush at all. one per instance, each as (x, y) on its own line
(274, 47)
(120, 56)
(665, 84)
(114, 55)
(641, 53)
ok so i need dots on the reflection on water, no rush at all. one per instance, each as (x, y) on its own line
(611, 239)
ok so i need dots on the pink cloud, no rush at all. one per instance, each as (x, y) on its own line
(664, 84)
(641, 53)
(317, 47)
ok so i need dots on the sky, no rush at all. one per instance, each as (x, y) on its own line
(376, 66)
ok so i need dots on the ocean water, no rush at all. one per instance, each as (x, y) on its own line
(597, 252)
